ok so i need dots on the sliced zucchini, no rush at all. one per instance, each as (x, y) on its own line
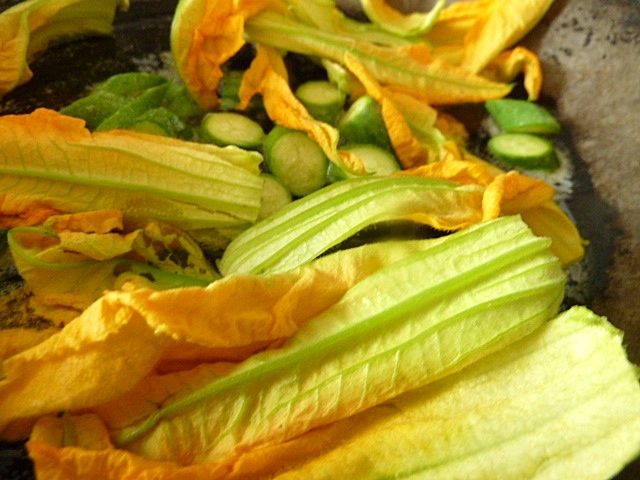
(363, 124)
(322, 99)
(231, 128)
(522, 116)
(296, 160)
(377, 162)
(524, 150)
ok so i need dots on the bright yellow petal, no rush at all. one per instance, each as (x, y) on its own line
(85, 431)
(511, 63)
(78, 447)
(458, 18)
(452, 129)
(459, 171)
(73, 368)
(512, 193)
(462, 412)
(455, 21)
(549, 220)
(18, 210)
(16, 340)
(503, 23)
(206, 34)
(98, 221)
(180, 355)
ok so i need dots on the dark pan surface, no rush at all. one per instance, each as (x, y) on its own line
(589, 50)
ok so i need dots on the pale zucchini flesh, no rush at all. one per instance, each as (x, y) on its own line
(363, 124)
(232, 128)
(376, 161)
(322, 99)
(524, 150)
(296, 160)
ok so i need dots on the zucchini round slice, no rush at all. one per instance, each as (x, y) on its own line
(524, 150)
